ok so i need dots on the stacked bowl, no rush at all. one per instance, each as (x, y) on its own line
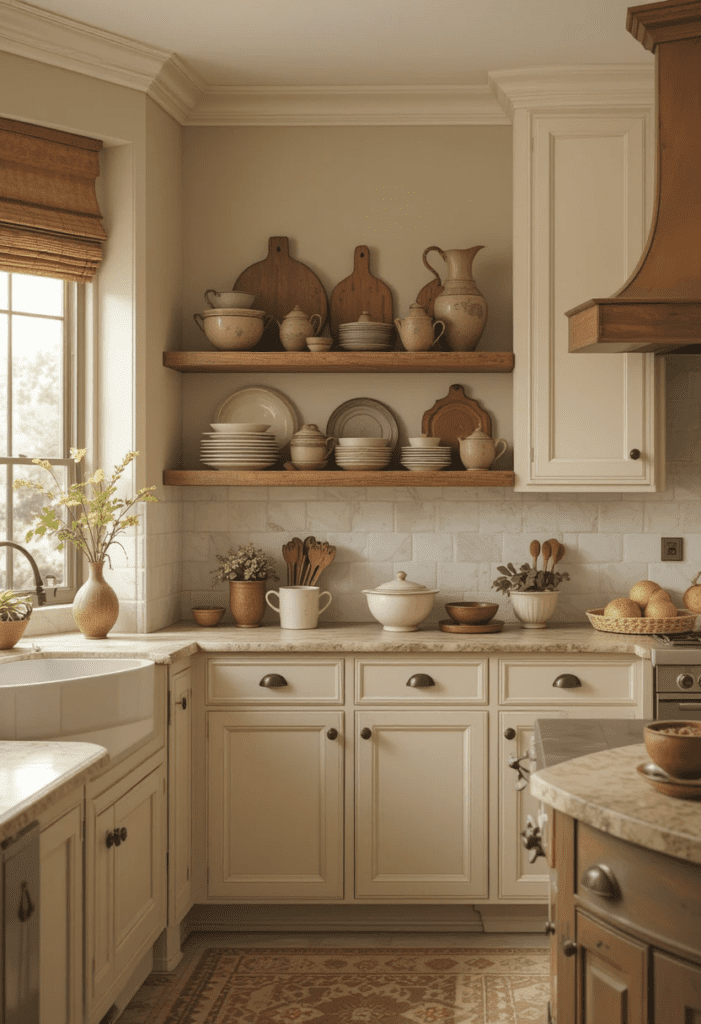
(365, 335)
(424, 453)
(239, 446)
(232, 330)
(362, 453)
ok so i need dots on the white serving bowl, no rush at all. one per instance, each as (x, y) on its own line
(229, 300)
(239, 428)
(232, 331)
(424, 442)
(400, 605)
(362, 442)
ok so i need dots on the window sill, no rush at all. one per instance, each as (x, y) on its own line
(51, 618)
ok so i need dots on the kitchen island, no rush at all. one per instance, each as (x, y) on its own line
(625, 883)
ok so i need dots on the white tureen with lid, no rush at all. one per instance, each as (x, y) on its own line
(400, 604)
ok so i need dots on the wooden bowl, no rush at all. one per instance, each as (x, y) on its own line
(207, 616)
(471, 612)
(678, 755)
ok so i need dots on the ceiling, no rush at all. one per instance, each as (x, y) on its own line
(385, 43)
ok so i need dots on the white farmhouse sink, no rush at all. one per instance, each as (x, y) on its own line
(110, 701)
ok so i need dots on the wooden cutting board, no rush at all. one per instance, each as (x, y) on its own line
(358, 293)
(281, 283)
(455, 416)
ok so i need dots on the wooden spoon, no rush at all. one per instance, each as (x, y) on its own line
(327, 553)
(289, 554)
(298, 550)
(559, 553)
(546, 554)
(554, 548)
(535, 551)
(305, 571)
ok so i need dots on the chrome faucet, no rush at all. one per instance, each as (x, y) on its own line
(39, 589)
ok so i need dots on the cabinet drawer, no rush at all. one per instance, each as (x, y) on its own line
(659, 895)
(604, 680)
(459, 681)
(309, 680)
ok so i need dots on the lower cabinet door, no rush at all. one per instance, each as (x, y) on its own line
(421, 805)
(275, 805)
(61, 922)
(519, 875)
(677, 987)
(611, 976)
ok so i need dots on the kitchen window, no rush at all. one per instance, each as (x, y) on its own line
(39, 350)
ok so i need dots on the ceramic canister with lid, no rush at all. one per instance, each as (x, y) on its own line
(400, 604)
(309, 448)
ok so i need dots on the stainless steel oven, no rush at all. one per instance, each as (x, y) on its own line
(677, 672)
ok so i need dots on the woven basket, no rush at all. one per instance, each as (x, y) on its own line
(683, 623)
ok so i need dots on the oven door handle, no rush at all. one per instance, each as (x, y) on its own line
(691, 704)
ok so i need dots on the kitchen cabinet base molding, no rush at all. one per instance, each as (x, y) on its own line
(337, 478)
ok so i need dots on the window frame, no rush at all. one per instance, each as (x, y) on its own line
(73, 419)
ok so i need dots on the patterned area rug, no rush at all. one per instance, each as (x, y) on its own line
(349, 986)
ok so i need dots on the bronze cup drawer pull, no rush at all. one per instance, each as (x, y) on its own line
(601, 881)
(567, 681)
(272, 680)
(420, 680)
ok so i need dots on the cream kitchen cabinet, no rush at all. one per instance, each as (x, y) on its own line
(125, 878)
(61, 920)
(421, 805)
(583, 160)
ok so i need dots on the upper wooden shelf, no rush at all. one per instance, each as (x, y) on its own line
(339, 362)
(337, 478)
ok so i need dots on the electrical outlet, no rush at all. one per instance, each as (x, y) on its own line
(672, 549)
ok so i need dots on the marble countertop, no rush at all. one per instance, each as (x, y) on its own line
(187, 638)
(604, 790)
(35, 773)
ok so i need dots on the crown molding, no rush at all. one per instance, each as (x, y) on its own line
(347, 105)
(583, 85)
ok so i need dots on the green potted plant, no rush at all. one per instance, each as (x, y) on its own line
(533, 591)
(90, 515)
(247, 570)
(15, 611)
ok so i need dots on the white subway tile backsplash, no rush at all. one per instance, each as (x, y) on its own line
(390, 547)
(413, 516)
(432, 547)
(661, 517)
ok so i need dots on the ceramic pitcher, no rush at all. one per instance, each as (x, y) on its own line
(417, 329)
(479, 451)
(296, 327)
(460, 305)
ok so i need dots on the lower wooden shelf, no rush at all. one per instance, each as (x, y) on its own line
(337, 478)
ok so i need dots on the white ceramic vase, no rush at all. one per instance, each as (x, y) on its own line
(533, 608)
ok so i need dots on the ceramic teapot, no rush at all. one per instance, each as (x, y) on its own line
(296, 327)
(309, 448)
(479, 451)
(417, 328)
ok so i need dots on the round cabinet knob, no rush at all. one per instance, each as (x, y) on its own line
(569, 948)
(549, 928)
(332, 734)
(567, 681)
(117, 836)
(601, 880)
(123, 834)
(109, 840)
(420, 680)
(685, 681)
(366, 733)
(273, 680)
(509, 734)
(182, 702)
(635, 453)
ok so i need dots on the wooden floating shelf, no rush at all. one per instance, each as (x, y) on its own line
(339, 362)
(337, 478)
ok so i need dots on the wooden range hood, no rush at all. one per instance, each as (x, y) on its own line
(659, 308)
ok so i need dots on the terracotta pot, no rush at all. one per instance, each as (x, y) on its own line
(247, 601)
(95, 606)
(11, 632)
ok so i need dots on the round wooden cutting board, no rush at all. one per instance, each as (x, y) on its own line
(455, 416)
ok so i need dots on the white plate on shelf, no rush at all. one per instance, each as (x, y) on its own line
(259, 404)
(363, 417)
(245, 464)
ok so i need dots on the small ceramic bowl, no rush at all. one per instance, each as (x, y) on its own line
(676, 753)
(210, 616)
(473, 613)
(319, 344)
(362, 442)
(424, 441)
(229, 300)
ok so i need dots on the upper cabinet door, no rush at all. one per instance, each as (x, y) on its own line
(582, 182)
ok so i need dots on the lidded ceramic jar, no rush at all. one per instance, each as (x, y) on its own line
(400, 604)
(309, 448)
(417, 328)
(479, 451)
(296, 327)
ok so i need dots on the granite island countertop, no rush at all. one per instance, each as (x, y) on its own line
(604, 790)
(187, 638)
(36, 773)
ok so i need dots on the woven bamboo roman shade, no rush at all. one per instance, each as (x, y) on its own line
(49, 215)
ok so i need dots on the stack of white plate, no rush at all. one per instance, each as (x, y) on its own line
(362, 453)
(423, 459)
(239, 446)
(365, 336)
